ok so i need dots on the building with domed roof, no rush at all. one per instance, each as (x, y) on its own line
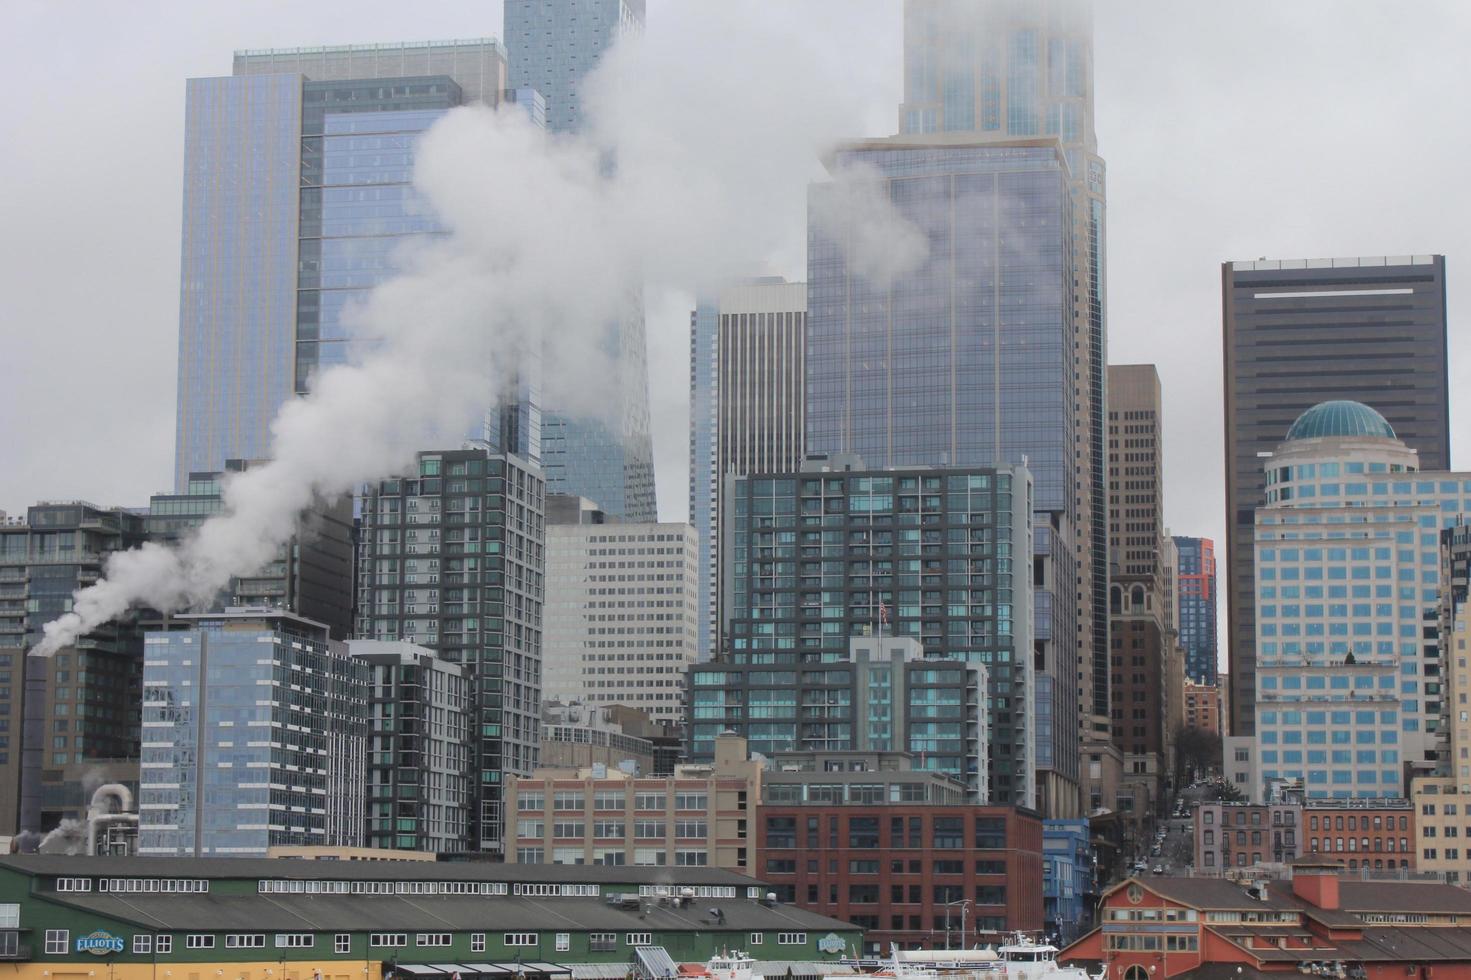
(1349, 677)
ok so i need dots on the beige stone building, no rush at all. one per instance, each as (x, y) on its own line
(701, 816)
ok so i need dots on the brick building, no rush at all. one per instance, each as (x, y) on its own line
(1314, 924)
(912, 874)
(1378, 835)
(1244, 835)
(1203, 707)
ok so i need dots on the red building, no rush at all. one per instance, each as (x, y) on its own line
(907, 873)
(1378, 835)
(1314, 924)
(1203, 707)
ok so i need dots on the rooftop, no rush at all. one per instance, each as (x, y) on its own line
(1350, 262)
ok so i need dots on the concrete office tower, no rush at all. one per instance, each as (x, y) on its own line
(607, 457)
(418, 772)
(308, 154)
(966, 361)
(1300, 332)
(1350, 676)
(747, 377)
(928, 555)
(1195, 598)
(451, 556)
(1001, 70)
(555, 43)
(255, 725)
(882, 695)
(71, 717)
(620, 617)
(1145, 662)
(311, 575)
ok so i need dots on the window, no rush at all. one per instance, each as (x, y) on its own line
(295, 940)
(757, 938)
(564, 941)
(568, 801)
(142, 943)
(73, 884)
(240, 940)
(198, 940)
(56, 942)
(388, 939)
(432, 939)
(638, 939)
(791, 939)
(691, 801)
(477, 942)
(342, 943)
(602, 942)
(10, 914)
(520, 939)
(691, 859)
(163, 944)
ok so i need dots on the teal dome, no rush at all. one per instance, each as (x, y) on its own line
(1330, 419)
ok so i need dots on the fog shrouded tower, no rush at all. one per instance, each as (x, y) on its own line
(605, 456)
(1016, 69)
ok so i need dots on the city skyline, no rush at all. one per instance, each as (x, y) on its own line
(1305, 228)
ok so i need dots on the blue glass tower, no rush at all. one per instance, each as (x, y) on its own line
(297, 198)
(608, 456)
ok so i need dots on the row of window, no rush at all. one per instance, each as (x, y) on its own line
(565, 801)
(535, 889)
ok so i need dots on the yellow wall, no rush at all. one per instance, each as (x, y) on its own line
(97, 968)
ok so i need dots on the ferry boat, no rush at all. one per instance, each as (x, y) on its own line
(1019, 959)
(721, 966)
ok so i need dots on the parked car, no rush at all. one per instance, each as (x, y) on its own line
(1159, 870)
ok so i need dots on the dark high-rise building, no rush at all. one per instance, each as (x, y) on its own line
(1196, 598)
(452, 557)
(1300, 332)
(77, 711)
(312, 573)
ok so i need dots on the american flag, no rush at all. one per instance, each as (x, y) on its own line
(883, 613)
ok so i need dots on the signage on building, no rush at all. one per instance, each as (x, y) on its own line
(100, 943)
(831, 943)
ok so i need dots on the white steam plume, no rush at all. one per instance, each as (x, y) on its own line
(714, 151)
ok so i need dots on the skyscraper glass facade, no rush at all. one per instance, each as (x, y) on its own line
(1347, 561)
(208, 790)
(554, 44)
(1196, 597)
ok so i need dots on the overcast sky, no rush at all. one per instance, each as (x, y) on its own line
(1256, 128)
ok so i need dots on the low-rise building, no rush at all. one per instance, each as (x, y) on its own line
(1067, 878)
(1368, 834)
(898, 852)
(1314, 924)
(263, 919)
(1246, 835)
(701, 816)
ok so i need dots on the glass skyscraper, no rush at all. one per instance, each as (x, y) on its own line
(297, 200)
(1003, 70)
(608, 456)
(254, 736)
(1196, 597)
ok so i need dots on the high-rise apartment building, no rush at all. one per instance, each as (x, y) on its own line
(310, 576)
(747, 377)
(966, 361)
(1002, 70)
(1300, 332)
(1350, 677)
(1195, 598)
(451, 556)
(308, 154)
(77, 710)
(620, 617)
(816, 559)
(418, 770)
(884, 695)
(607, 457)
(255, 725)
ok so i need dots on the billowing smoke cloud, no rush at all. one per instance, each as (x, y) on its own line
(714, 150)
